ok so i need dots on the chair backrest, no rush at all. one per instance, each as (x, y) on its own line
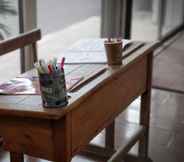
(20, 41)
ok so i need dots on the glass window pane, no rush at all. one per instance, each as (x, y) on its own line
(173, 15)
(65, 22)
(9, 18)
(9, 26)
(144, 20)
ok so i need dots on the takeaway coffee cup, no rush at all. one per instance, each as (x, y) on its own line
(113, 48)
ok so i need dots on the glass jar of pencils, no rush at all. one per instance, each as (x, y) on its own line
(53, 89)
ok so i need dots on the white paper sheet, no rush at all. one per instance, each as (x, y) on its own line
(88, 51)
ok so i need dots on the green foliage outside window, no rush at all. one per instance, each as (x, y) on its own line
(5, 9)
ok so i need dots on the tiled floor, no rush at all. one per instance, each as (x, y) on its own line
(172, 57)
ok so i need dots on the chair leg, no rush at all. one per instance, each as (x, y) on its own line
(110, 136)
(1, 141)
(16, 157)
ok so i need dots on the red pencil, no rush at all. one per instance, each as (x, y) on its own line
(62, 62)
(50, 68)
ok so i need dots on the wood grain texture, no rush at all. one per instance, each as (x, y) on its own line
(62, 139)
(20, 41)
(110, 136)
(106, 103)
(16, 157)
(34, 108)
(125, 148)
(89, 79)
(145, 109)
(29, 136)
(58, 134)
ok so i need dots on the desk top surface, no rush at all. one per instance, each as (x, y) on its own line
(31, 105)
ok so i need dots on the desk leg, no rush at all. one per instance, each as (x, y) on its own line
(144, 120)
(145, 110)
(62, 139)
(103, 152)
(16, 157)
(109, 136)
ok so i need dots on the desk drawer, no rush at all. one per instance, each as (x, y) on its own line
(29, 136)
(106, 103)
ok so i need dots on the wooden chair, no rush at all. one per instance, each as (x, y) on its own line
(20, 41)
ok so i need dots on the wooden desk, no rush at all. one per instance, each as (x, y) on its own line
(59, 134)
